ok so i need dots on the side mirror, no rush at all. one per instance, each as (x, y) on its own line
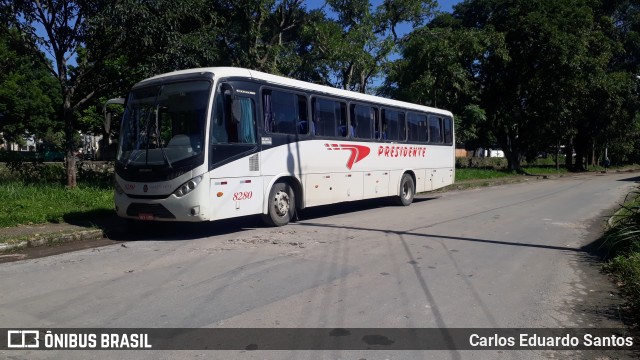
(228, 92)
(226, 88)
(236, 110)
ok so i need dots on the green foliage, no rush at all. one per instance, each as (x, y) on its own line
(481, 163)
(626, 269)
(523, 75)
(477, 174)
(97, 177)
(622, 243)
(624, 235)
(34, 193)
(29, 95)
(442, 67)
(353, 49)
(53, 140)
(34, 171)
(528, 75)
(40, 203)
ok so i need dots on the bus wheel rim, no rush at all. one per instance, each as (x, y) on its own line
(406, 191)
(281, 203)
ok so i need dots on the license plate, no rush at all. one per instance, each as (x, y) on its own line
(146, 216)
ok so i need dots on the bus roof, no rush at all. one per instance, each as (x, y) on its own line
(223, 72)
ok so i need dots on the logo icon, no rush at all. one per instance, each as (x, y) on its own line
(145, 188)
(23, 339)
(358, 152)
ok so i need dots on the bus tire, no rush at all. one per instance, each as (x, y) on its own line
(282, 205)
(407, 190)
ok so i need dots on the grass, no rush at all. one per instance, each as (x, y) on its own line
(41, 203)
(544, 170)
(480, 174)
(622, 246)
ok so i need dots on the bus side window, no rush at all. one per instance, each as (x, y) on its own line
(218, 123)
(224, 128)
(391, 125)
(304, 127)
(417, 127)
(362, 118)
(246, 122)
(329, 117)
(448, 134)
(435, 130)
(284, 112)
(341, 116)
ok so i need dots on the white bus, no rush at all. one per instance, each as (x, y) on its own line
(217, 143)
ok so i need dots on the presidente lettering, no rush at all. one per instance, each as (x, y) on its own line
(401, 151)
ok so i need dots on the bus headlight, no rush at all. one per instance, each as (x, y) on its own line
(188, 187)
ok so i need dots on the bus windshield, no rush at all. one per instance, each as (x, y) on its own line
(164, 124)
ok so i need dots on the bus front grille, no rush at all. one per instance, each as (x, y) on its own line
(157, 210)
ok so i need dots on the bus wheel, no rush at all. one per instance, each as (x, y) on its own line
(282, 205)
(407, 190)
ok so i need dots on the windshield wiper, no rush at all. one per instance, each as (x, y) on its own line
(133, 158)
(164, 154)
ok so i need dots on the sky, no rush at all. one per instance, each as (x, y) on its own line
(444, 5)
(447, 5)
(402, 29)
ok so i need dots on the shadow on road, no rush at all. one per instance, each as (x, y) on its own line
(444, 237)
(122, 230)
(631, 179)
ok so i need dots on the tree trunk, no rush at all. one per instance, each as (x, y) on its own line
(568, 155)
(510, 149)
(70, 162)
(558, 156)
(513, 161)
(580, 153)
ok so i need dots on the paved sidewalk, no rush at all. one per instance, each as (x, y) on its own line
(18, 237)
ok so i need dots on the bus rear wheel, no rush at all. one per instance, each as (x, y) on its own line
(282, 205)
(407, 190)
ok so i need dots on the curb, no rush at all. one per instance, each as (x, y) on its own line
(53, 239)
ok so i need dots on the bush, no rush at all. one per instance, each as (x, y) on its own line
(481, 163)
(624, 234)
(627, 271)
(101, 176)
(35, 171)
(622, 241)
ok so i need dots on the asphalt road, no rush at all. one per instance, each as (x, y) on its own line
(508, 256)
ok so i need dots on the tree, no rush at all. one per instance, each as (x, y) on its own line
(28, 93)
(65, 30)
(351, 46)
(532, 99)
(260, 34)
(441, 66)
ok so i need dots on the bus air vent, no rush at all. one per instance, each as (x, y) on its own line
(253, 163)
